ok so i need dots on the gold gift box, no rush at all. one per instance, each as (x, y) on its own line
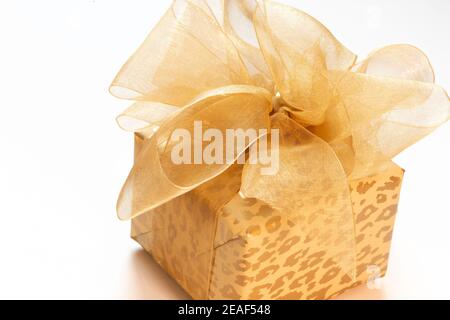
(217, 245)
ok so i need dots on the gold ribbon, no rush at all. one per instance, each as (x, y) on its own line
(259, 64)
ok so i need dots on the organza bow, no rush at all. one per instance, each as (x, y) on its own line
(259, 64)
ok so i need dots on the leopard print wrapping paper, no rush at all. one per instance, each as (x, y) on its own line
(217, 245)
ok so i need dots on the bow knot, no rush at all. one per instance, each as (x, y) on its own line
(277, 102)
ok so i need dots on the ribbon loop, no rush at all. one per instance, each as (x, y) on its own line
(156, 178)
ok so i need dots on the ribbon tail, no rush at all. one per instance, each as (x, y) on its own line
(311, 188)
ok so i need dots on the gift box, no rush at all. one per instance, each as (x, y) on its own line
(217, 245)
(319, 219)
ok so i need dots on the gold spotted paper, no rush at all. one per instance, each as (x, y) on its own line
(219, 246)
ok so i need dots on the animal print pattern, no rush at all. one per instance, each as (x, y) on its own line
(217, 245)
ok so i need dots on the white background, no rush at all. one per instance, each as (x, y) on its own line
(63, 158)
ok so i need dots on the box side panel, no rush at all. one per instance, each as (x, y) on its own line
(375, 201)
(179, 234)
(272, 259)
(178, 240)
